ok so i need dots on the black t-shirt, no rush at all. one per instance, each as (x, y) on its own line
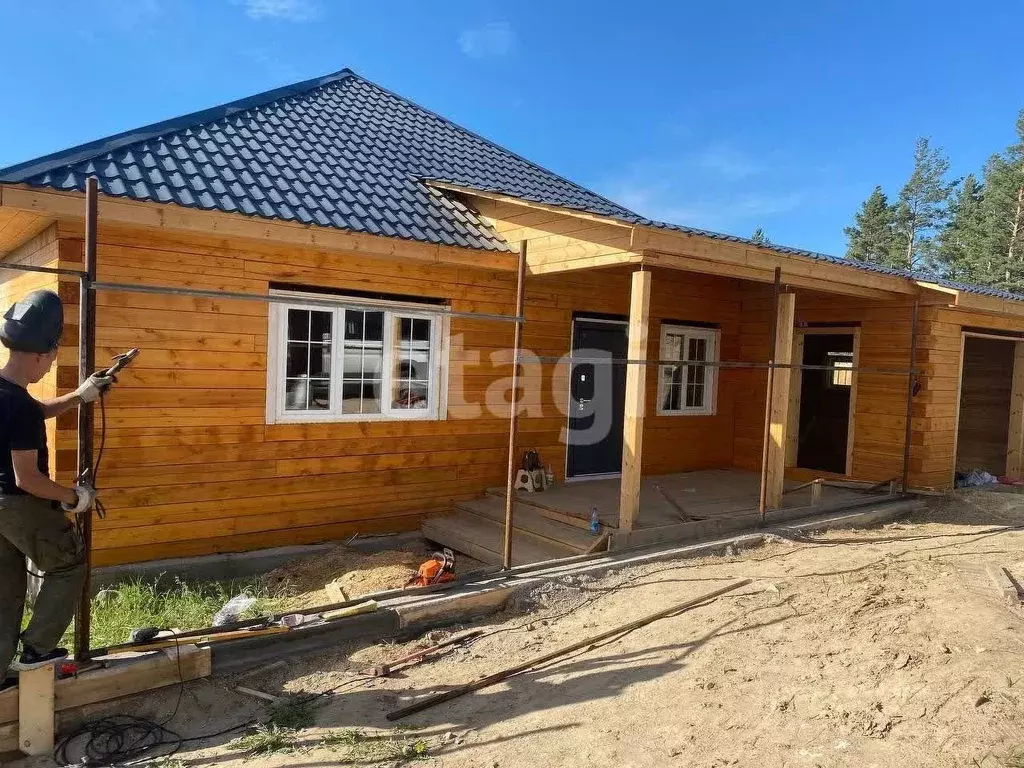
(22, 428)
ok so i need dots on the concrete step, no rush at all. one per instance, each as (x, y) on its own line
(531, 521)
(482, 538)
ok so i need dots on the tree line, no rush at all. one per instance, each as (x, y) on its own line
(969, 229)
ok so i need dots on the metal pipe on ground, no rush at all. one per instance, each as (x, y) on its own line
(513, 422)
(504, 674)
(86, 365)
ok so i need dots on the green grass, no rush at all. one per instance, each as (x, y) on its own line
(166, 602)
(293, 713)
(357, 746)
(266, 740)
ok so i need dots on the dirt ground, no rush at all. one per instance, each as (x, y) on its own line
(882, 647)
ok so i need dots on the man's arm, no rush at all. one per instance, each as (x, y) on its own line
(90, 390)
(31, 480)
(59, 405)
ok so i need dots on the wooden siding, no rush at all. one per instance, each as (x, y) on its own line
(191, 467)
(984, 419)
(38, 251)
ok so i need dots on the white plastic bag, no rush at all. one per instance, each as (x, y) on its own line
(233, 609)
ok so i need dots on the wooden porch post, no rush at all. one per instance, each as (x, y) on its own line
(1015, 443)
(636, 390)
(775, 467)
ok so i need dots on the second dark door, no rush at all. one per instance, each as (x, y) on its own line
(825, 402)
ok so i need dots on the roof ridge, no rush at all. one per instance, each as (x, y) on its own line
(21, 171)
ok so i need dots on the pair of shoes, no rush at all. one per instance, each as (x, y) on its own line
(32, 659)
(8, 682)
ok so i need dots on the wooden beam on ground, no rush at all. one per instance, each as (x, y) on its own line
(1015, 442)
(35, 711)
(777, 440)
(636, 391)
(123, 676)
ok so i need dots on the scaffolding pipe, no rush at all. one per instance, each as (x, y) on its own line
(762, 499)
(911, 382)
(86, 364)
(739, 364)
(44, 270)
(513, 420)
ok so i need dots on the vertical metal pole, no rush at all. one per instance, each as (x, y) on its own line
(86, 365)
(762, 500)
(911, 381)
(513, 421)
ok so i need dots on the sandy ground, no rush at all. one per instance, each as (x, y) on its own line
(882, 647)
(344, 573)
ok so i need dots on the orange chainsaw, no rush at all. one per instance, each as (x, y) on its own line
(440, 568)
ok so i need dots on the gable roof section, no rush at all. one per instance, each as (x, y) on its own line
(337, 151)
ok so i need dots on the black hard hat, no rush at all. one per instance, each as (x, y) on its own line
(34, 324)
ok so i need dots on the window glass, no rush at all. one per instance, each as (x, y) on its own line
(308, 352)
(363, 367)
(411, 378)
(687, 388)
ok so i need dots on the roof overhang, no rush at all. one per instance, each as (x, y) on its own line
(48, 205)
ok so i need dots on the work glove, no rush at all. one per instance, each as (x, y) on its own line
(86, 496)
(93, 387)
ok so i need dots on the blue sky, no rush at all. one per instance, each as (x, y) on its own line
(724, 115)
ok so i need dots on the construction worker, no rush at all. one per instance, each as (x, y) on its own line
(32, 523)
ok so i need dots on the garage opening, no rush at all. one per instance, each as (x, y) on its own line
(984, 421)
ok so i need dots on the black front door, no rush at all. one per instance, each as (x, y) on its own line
(597, 398)
(825, 402)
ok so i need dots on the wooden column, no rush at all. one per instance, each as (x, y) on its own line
(775, 467)
(1015, 443)
(636, 392)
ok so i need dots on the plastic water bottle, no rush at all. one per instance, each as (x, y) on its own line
(595, 522)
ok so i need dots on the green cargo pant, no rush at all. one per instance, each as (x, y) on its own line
(33, 528)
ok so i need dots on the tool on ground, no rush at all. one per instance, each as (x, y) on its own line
(681, 513)
(439, 569)
(370, 606)
(497, 677)
(383, 670)
(143, 634)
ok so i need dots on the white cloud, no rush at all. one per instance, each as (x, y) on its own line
(288, 10)
(727, 162)
(489, 41)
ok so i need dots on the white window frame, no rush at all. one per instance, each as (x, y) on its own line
(277, 359)
(711, 336)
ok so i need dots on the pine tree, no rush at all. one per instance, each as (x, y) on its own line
(922, 208)
(760, 237)
(871, 238)
(963, 242)
(1004, 212)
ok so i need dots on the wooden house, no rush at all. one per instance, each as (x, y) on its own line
(372, 392)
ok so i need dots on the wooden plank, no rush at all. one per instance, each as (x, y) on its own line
(635, 403)
(1015, 442)
(780, 402)
(35, 711)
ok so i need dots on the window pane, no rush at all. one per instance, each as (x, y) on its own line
(320, 328)
(297, 363)
(695, 396)
(696, 374)
(672, 347)
(373, 363)
(698, 349)
(353, 325)
(374, 326)
(320, 361)
(371, 396)
(295, 394)
(319, 394)
(671, 398)
(421, 330)
(351, 392)
(298, 325)
(405, 328)
(411, 376)
(352, 362)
